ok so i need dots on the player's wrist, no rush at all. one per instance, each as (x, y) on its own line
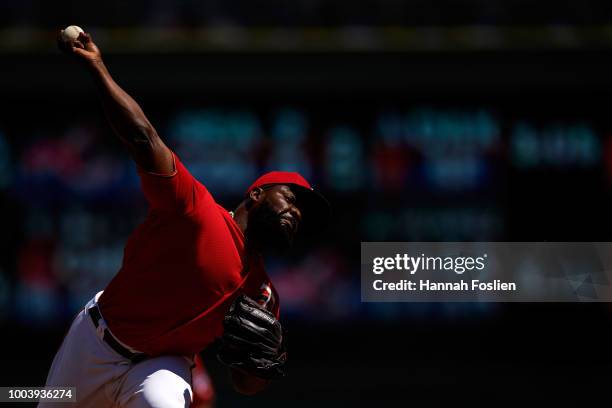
(97, 65)
(247, 384)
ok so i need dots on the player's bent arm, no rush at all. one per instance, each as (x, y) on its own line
(131, 125)
(125, 115)
(247, 384)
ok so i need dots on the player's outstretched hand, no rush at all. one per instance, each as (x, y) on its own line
(83, 48)
(252, 340)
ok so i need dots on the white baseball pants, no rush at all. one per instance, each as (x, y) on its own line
(103, 378)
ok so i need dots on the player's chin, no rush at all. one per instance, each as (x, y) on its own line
(288, 232)
(281, 240)
(284, 241)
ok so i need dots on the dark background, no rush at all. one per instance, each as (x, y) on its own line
(463, 120)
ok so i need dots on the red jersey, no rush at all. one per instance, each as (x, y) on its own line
(182, 268)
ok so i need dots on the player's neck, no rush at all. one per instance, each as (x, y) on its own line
(241, 217)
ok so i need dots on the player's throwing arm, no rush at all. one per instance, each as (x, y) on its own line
(124, 114)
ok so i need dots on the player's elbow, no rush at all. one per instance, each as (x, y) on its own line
(143, 136)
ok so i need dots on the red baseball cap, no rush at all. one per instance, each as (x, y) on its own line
(314, 207)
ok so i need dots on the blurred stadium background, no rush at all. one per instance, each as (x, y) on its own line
(421, 120)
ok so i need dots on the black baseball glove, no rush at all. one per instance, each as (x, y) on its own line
(252, 340)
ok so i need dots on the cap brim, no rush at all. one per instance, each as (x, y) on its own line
(316, 211)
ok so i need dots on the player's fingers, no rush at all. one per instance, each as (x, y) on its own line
(85, 38)
(79, 51)
(78, 44)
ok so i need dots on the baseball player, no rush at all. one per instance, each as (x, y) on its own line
(192, 272)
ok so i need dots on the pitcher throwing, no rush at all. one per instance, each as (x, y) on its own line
(192, 272)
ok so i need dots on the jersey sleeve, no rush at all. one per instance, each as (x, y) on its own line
(178, 191)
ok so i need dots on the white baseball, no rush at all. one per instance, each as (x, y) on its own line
(71, 33)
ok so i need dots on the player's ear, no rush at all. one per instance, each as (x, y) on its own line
(256, 194)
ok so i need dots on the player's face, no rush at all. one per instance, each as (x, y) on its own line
(275, 218)
(283, 202)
